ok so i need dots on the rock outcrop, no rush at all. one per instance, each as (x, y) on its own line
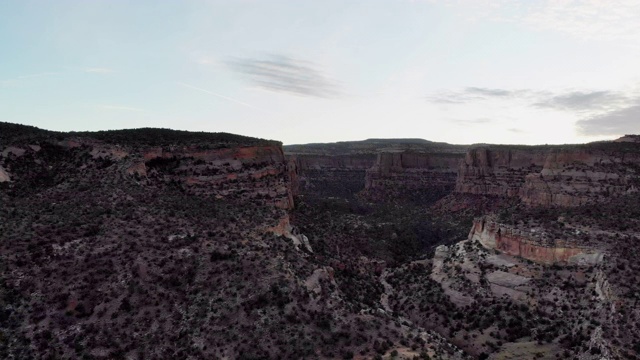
(256, 171)
(259, 173)
(330, 174)
(4, 175)
(551, 175)
(629, 138)
(383, 168)
(534, 246)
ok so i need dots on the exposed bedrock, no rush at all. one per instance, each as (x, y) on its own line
(409, 173)
(548, 176)
(330, 175)
(259, 173)
(536, 247)
(4, 175)
(256, 173)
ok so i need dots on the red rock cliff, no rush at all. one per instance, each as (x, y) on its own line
(256, 173)
(568, 176)
(534, 246)
(412, 173)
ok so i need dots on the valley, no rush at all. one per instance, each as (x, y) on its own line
(154, 243)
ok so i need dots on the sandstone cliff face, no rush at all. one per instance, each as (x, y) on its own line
(329, 174)
(497, 172)
(532, 246)
(257, 173)
(548, 176)
(380, 167)
(236, 173)
(413, 174)
(334, 162)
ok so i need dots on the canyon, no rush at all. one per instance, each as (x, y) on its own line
(161, 243)
(546, 176)
(557, 175)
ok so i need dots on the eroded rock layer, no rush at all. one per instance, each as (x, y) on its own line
(429, 175)
(531, 245)
(551, 175)
(342, 175)
(258, 173)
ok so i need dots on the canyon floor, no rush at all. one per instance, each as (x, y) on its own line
(159, 244)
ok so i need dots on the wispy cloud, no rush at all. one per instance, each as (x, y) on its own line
(618, 122)
(120, 108)
(584, 100)
(98, 70)
(583, 19)
(22, 78)
(467, 122)
(590, 19)
(223, 97)
(285, 74)
(489, 92)
(472, 94)
(601, 112)
(570, 100)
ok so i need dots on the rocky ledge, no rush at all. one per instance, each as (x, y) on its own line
(552, 175)
(534, 244)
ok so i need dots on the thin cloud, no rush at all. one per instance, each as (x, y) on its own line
(489, 92)
(583, 19)
(98, 70)
(599, 20)
(472, 94)
(603, 112)
(285, 74)
(120, 108)
(576, 101)
(618, 122)
(466, 122)
(453, 97)
(22, 78)
(583, 100)
(223, 97)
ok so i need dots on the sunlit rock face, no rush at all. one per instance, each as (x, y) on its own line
(531, 245)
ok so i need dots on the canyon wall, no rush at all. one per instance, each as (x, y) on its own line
(330, 175)
(238, 172)
(256, 173)
(535, 246)
(551, 175)
(376, 168)
(426, 175)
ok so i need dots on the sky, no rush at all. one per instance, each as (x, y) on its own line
(303, 71)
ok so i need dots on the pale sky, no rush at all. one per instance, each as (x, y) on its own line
(492, 71)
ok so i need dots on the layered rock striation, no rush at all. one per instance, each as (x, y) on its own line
(330, 175)
(551, 175)
(382, 168)
(238, 172)
(532, 245)
(426, 175)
